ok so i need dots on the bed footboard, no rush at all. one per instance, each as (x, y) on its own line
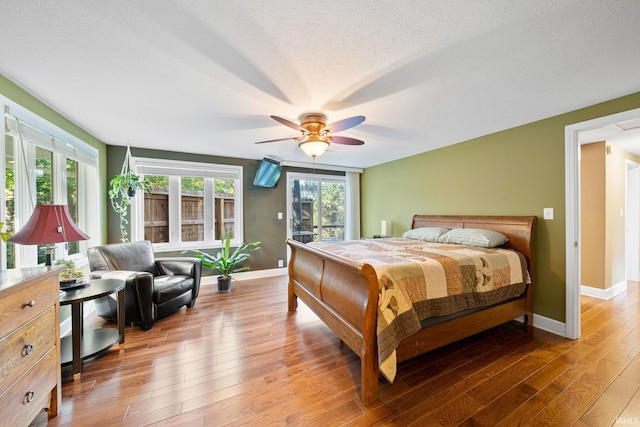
(344, 295)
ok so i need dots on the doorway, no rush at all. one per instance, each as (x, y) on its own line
(572, 203)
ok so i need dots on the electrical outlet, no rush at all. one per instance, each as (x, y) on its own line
(548, 213)
(280, 263)
(279, 215)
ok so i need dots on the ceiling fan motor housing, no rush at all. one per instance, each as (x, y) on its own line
(313, 122)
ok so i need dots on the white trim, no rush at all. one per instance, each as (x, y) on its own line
(604, 293)
(546, 324)
(572, 225)
(3, 202)
(320, 179)
(247, 275)
(632, 219)
(45, 134)
(151, 166)
(175, 170)
(352, 208)
(550, 325)
(88, 212)
(175, 216)
(320, 166)
(27, 130)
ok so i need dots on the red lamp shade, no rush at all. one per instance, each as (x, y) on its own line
(48, 224)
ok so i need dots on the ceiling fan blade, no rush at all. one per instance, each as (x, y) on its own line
(275, 140)
(344, 124)
(288, 123)
(346, 140)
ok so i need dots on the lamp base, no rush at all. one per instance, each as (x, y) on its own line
(48, 255)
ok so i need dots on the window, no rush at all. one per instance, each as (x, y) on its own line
(45, 164)
(191, 205)
(317, 207)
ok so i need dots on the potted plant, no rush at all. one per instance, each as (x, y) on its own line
(71, 274)
(227, 261)
(122, 188)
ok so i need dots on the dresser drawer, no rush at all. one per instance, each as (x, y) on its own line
(26, 345)
(21, 402)
(26, 302)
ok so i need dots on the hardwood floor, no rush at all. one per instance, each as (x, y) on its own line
(241, 359)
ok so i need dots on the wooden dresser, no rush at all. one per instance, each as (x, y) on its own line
(30, 375)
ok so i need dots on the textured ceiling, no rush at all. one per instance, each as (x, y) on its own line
(204, 76)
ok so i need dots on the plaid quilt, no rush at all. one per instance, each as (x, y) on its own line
(418, 280)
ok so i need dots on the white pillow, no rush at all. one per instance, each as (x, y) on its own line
(474, 237)
(426, 234)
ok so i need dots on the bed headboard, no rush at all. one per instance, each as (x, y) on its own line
(518, 229)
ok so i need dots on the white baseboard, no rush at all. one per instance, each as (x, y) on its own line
(546, 324)
(603, 293)
(550, 325)
(247, 275)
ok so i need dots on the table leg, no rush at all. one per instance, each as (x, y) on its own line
(76, 337)
(121, 315)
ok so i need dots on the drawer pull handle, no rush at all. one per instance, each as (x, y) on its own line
(31, 303)
(27, 349)
(28, 397)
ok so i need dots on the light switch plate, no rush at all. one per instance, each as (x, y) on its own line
(548, 213)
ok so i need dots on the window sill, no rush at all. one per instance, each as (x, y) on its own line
(172, 247)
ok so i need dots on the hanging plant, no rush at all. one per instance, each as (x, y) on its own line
(123, 187)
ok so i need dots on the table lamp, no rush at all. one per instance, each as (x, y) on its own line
(48, 224)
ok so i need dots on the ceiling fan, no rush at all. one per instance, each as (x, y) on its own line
(315, 138)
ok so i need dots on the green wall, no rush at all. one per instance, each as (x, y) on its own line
(517, 171)
(22, 97)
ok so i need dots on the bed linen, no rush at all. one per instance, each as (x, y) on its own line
(417, 280)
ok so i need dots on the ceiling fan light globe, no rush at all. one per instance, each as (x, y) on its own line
(314, 148)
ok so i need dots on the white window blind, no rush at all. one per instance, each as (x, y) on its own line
(21, 123)
(177, 168)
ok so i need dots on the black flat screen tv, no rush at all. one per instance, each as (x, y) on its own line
(268, 173)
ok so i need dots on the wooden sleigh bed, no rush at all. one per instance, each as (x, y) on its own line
(344, 294)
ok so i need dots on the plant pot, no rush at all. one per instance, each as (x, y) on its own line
(131, 191)
(224, 283)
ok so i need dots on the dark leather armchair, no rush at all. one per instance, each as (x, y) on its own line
(156, 287)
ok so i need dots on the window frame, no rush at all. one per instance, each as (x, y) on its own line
(37, 131)
(175, 170)
(320, 178)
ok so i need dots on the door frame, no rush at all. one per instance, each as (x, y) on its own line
(632, 220)
(572, 205)
(309, 176)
